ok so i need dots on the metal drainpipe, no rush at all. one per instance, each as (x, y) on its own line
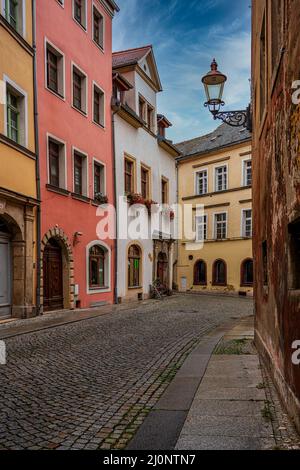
(115, 110)
(38, 181)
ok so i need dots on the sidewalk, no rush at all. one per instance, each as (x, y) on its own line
(230, 410)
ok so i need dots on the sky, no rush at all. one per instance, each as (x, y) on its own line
(186, 35)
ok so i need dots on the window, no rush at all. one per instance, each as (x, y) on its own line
(150, 113)
(16, 113)
(164, 191)
(79, 90)
(97, 267)
(54, 70)
(15, 14)
(98, 106)
(247, 223)
(220, 228)
(247, 273)
(294, 255)
(200, 278)
(56, 163)
(79, 12)
(129, 176)
(99, 179)
(265, 263)
(13, 116)
(221, 178)
(80, 174)
(98, 28)
(219, 273)
(142, 108)
(247, 173)
(145, 189)
(201, 228)
(134, 266)
(201, 182)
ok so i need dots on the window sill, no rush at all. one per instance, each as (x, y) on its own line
(98, 125)
(83, 113)
(58, 95)
(55, 189)
(98, 290)
(84, 28)
(135, 287)
(219, 285)
(250, 286)
(99, 46)
(81, 198)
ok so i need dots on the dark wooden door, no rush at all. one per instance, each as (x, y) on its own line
(162, 269)
(53, 277)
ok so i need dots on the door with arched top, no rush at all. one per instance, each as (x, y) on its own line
(5, 275)
(53, 277)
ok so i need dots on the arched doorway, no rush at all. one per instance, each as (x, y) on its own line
(53, 276)
(5, 270)
(162, 268)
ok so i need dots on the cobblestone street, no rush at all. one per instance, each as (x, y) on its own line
(90, 384)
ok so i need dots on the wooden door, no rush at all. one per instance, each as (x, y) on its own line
(53, 277)
(5, 276)
(162, 269)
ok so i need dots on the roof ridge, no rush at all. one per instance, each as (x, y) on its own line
(133, 49)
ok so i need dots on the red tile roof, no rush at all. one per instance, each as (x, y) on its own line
(130, 56)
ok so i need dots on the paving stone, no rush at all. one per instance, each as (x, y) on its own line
(223, 443)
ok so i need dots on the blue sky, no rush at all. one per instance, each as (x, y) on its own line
(186, 35)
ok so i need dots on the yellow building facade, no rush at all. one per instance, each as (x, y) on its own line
(215, 175)
(18, 162)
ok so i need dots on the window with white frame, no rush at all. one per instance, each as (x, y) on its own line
(201, 228)
(220, 226)
(55, 70)
(79, 88)
(247, 173)
(57, 163)
(247, 223)
(14, 12)
(221, 176)
(201, 182)
(80, 166)
(98, 106)
(79, 12)
(16, 114)
(98, 27)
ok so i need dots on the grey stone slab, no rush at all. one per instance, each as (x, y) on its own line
(211, 393)
(223, 443)
(179, 395)
(160, 431)
(229, 426)
(226, 408)
(194, 366)
(230, 382)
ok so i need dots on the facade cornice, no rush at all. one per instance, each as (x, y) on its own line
(21, 41)
(215, 151)
(28, 153)
(216, 193)
(18, 197)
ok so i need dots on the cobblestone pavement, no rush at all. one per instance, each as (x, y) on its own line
(90, 384)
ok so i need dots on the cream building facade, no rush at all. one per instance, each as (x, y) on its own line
(216, 171)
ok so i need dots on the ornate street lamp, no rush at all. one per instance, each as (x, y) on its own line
(214, 82)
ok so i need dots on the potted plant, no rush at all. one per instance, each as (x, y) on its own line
(101, 198)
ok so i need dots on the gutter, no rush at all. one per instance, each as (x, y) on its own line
(37, 163)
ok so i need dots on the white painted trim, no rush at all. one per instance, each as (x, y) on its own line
(215, 167)
(23, 32)
(85, 27)
(102, 48)
(62, 142)
(244, 160)
(95, 160)
(95, 84)
(243, 235)
(84, 154)
(195, 180)
(108, 249)
(214, 224)
(46, 41)
(207, 226)
(23, 93)
(86, 112)
(61, 4)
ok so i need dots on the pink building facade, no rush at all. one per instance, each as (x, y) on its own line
(74, 63)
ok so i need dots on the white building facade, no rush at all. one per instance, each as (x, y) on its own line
(145, 175)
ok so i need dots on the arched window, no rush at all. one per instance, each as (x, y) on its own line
(134, 266)
(247, 273)
(97, 267)
(219, 273)
(200, 273)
